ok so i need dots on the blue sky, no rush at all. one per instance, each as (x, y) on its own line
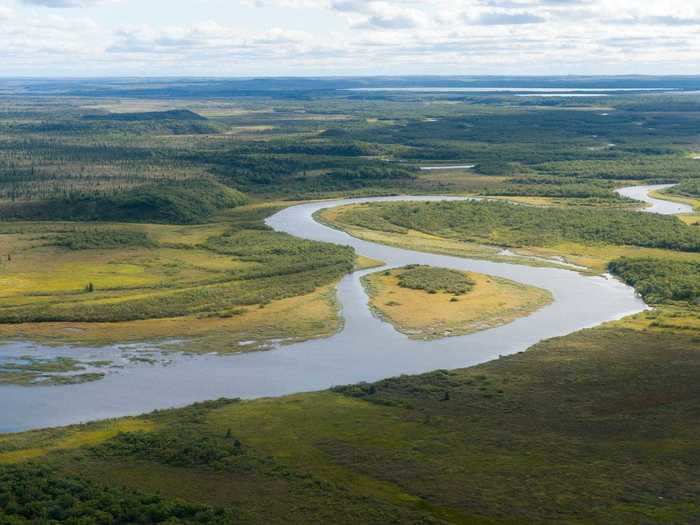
(348, 37)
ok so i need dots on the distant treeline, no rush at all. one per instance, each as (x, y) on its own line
(184, 202)
(174, 114)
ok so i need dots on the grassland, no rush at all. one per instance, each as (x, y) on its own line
(582, 429)
(489, 302)
(216, 285)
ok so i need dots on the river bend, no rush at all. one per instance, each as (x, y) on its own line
(366, 349)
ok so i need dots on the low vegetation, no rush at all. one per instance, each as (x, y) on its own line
(32, 371)
(62, 282)
(687, 188)
(96, 239)
(536, 241)
(39, 495)
(424, 302)
(580, 429)
(595, 427)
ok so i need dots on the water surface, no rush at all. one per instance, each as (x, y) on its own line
(662, 207)
(367, 349)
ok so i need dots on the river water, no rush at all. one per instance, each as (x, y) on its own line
(663, 207)
(367, 349)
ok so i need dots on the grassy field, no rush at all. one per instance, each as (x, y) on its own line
(422, 315)
(216, 284)
(593, 428)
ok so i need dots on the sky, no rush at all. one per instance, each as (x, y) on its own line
(88, 38)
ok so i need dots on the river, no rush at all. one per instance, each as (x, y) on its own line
(663, 207)
(367, 349)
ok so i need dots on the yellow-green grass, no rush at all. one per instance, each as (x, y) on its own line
(34, 273)
(292, 319)
(366, 263)
(491, 302)
(597, 257)
(688, 218)
(581, 429)
(666, 319)
(33, 445)
(530, 200)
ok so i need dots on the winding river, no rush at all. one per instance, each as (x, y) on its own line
(367, 349)
(663, 207)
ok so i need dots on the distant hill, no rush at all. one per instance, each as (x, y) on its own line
(182, 202)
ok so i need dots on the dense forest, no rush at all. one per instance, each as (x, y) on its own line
(516, 225)
(344, 144)
(434, 280)
(661, 281)
(36, 494)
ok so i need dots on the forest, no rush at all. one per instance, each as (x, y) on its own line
(661, 281)
(515, 225)
(434, 280)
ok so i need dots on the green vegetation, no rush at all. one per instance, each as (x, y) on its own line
(39, 495)
(244, 265)
(189, 202)
(434, 280)
(80, 239)
(661, 168)
(175, 114)
(28, 370)
(327, 143)
(661, 281)
(516, 225)
(596, 427)
(687, 188)
(580, 429)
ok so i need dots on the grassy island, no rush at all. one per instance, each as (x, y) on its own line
(428, 303)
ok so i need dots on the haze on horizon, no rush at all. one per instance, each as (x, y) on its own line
(348, 37)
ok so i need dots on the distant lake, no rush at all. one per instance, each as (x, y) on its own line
(582, 91)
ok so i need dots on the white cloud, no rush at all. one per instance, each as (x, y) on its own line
(6, 13)
(368, 36)
(62, 4)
